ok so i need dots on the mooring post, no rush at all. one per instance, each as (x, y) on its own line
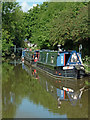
(14, 48)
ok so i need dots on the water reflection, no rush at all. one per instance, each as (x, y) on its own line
(30, 93)
(70, 90)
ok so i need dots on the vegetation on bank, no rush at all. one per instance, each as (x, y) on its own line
(86, 62)
(46, 25)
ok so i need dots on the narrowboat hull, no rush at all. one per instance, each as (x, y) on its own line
(59, 72)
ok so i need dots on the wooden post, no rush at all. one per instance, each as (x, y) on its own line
(14, 48)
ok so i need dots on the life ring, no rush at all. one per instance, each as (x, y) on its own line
(12, 55)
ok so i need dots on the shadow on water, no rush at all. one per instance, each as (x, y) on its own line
(27, 92)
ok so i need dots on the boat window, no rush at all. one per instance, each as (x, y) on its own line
(74, 58)
(79, 57)
(66, 58)
(52, 59)
(47, 57)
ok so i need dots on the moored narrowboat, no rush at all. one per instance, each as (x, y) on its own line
(65, 64)
(57, 63)
(30, 56)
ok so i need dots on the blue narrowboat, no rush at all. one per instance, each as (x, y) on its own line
(30, 56)
(57, 63)
(64, 64)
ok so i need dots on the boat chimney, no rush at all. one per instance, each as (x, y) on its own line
(59, 49)
(80, 48)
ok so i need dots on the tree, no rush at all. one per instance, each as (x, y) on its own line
(12, 25)
(7, 42)
(58, 23)
(70, 28)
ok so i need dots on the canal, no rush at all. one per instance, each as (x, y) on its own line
(30, 93)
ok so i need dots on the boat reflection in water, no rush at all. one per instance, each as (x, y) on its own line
(30, 93)
(70, 90)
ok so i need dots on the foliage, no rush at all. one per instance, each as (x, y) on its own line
(58, 23)
(48, 25)
(7, 42)
(70, 26)
(87, 58)
(86, 61)
(12, 26)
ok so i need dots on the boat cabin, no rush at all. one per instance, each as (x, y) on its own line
(69, 58)
(56, 58)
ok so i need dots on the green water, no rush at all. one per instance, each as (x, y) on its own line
(29, 93)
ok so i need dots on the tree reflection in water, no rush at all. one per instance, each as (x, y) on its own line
(18, 84)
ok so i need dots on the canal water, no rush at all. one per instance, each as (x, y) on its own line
(29, 93)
